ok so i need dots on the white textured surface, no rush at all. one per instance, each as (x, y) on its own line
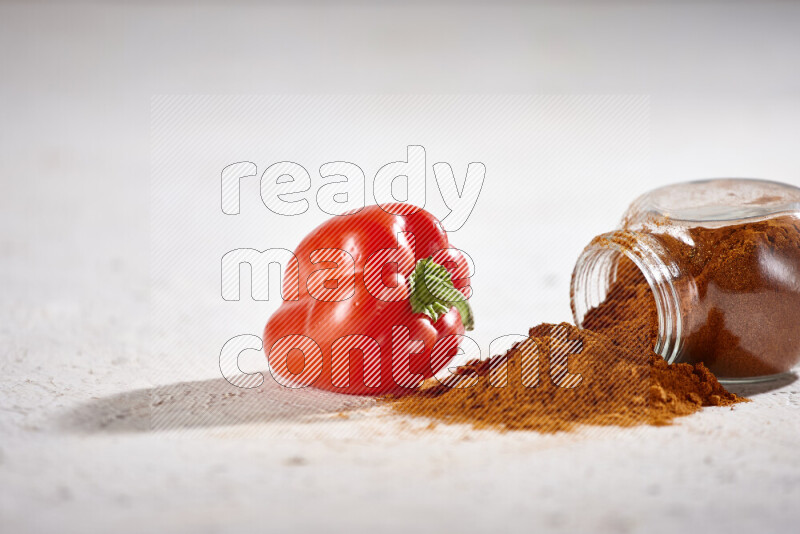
(77, 368)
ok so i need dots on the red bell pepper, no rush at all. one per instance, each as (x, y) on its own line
(382, 304)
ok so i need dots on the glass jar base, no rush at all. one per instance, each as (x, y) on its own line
(788, 377)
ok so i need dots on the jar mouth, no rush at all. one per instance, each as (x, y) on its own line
(597, 268)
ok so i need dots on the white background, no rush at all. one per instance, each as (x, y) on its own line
(82, 358)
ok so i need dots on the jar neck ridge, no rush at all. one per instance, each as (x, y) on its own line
(596, 270)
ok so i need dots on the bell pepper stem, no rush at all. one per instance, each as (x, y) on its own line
(433, 293)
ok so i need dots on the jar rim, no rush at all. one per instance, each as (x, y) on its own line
(592, 277)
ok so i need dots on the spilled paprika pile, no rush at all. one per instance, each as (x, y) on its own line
(562, 377)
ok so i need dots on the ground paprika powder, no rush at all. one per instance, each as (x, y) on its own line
(610, 381)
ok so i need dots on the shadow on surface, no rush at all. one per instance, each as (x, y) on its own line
(748, 390)
(204, 403)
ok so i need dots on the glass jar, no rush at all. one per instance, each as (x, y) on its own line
(722, 261)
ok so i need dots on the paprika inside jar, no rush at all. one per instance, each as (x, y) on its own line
(710, 270)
